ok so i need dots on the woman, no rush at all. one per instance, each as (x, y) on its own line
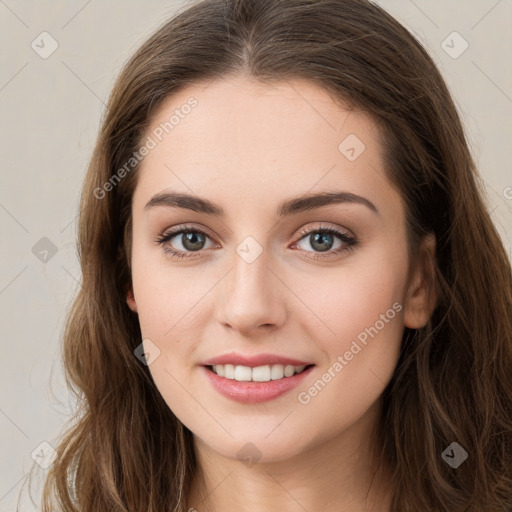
(293, 296)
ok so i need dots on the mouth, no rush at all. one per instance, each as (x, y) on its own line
(251, 385)
(265, 373)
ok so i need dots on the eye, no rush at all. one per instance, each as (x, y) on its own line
(322, 239)
(188, 239)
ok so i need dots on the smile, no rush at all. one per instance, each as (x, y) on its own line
(255, 385)
(264, 373)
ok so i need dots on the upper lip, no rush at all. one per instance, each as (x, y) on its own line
(254, 360)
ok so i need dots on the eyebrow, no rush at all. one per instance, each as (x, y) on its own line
(293, 206)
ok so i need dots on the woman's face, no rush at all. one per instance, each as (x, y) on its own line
(266, 279)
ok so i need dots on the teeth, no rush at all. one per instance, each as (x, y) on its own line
(257, 374)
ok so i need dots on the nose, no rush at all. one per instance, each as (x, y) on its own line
(251, 297)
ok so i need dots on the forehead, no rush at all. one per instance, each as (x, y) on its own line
(244, 139)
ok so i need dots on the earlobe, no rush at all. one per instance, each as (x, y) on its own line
(130, 300)
(421, 298)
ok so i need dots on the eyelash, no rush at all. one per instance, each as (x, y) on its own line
(350, 242)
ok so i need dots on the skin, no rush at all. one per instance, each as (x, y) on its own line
(247, 147)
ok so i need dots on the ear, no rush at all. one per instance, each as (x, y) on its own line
(421, 297)
(130, 300)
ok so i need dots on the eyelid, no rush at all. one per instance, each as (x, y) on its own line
(304, 231)
(324, 227)
(349, 240)
(175, 230)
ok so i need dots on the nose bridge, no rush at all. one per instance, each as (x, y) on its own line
(251, 294)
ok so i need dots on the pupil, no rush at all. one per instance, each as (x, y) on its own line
(192, 241)
(319, 240)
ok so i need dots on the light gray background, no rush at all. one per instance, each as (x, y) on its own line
(50, 110)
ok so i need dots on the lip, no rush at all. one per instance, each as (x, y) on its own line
(254, 360)
(254, 392)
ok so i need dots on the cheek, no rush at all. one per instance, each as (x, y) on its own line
(352, 297)
(361, 304)
(168, 297)
(169, 305)
(172, 306)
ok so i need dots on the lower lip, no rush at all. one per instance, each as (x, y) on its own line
(254, 392)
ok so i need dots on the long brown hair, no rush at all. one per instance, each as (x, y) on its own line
(125, 450)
